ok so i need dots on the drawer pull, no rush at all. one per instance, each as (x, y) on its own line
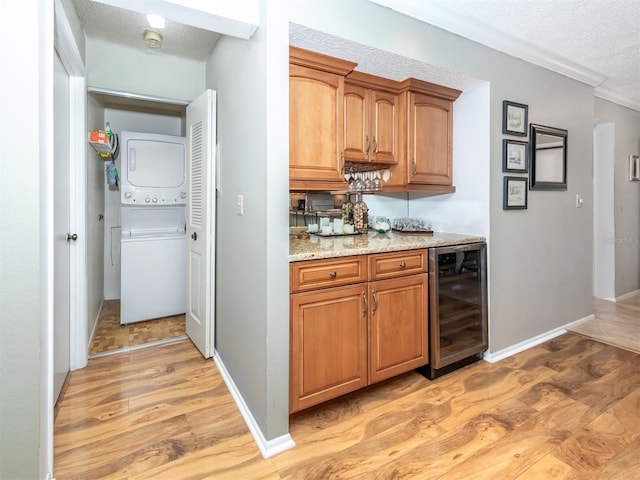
(333, 274)
(403, 264)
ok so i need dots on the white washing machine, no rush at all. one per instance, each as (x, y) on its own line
(153, 263)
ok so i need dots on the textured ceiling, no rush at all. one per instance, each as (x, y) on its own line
(377, 62)
(602, 36)
(125, 27)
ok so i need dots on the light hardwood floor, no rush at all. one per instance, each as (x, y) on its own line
(615, 323)
(566, 409)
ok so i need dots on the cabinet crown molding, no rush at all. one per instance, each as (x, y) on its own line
(420, 86)
(368, 80)
(319, 61)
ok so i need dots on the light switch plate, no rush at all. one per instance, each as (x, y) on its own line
(240, 204)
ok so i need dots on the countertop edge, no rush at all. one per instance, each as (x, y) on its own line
(400, 242)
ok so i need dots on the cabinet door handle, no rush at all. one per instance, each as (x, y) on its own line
(342, 162)
(415, 167)
(333, 274)
(368, 145)
(403, 264)
(366, 304)
(375, 302)
(375, 146)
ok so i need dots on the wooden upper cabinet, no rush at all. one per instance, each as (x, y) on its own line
(430, 138)
(427, 145)
(316, 90)
(370, 119)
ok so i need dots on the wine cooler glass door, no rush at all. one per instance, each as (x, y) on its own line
(458, 312)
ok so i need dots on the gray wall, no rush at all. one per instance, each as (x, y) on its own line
(252, 314)
(627, 194)
(116, 67)
(540, 267)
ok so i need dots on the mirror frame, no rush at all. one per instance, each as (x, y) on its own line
(535, 184)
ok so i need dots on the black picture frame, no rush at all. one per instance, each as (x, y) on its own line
(514, 195)
(515, 118)
(515, 156)
(547, 158)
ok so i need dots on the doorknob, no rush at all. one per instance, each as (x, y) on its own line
(194, 235)
(73, 236)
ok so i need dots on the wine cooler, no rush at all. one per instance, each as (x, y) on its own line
(458, 306)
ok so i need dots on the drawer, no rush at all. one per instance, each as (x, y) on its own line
(312, 274)
(397, 264)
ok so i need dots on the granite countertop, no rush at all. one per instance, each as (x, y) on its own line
(317, 247)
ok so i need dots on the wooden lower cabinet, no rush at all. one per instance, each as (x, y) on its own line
(398, 337)
(346, 336)
(328, 344)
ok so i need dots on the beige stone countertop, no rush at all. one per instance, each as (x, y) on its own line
(317, 247)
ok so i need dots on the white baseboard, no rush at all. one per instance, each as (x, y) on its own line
(268, 448)
(626, 295)
(493, 357)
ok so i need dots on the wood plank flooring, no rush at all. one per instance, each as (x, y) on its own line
(615, 323)
(110, 335)
(566, 409)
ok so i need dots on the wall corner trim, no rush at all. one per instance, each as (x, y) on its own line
(268, 448)
(493, 357)
(611, 96)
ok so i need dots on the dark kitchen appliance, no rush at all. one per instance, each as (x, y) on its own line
(457, 307)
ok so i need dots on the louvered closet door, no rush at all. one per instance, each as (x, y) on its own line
(201, 134)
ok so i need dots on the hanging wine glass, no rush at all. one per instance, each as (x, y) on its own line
(377, 183)
(368, 185)
(352, 182)
(359, 183)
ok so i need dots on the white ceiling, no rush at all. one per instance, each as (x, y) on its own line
(594, 41)
(126, 27)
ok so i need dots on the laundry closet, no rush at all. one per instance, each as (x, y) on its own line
(143, 226)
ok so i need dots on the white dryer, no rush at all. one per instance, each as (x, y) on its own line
(153, 266)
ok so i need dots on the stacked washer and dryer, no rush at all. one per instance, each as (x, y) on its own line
(153, 195)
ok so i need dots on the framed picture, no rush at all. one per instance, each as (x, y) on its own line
(515, 156)
(514, 118)
(515, 193)
(634, 168)
(548, 155)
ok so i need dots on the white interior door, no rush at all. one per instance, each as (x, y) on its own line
(61, 227)
(201, 135)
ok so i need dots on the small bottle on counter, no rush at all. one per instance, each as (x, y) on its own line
(347, 211)
(360, 215)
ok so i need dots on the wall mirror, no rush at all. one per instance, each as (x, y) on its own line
(548, 157)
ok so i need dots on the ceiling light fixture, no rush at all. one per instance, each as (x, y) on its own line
(152, 39)
(155, 21)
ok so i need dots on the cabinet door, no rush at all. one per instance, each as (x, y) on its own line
(315, 125)
(328, 344)
(398, 326)
(430, 128)
(357, 140)
(384, 127)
